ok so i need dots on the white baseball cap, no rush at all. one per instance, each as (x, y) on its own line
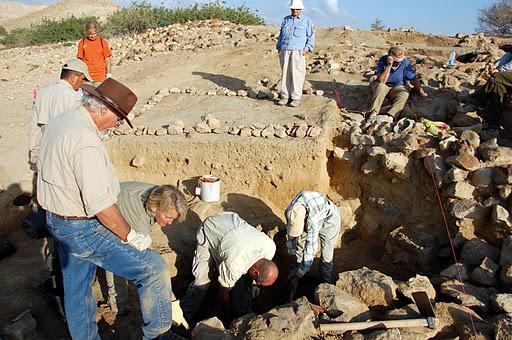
(295, 217)
(78, 66)
(296, 4)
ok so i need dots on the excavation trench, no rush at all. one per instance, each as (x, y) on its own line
(260, 177)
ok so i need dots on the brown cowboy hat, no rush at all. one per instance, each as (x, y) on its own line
(115, 95)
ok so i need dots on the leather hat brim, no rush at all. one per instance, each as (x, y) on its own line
(107, 101)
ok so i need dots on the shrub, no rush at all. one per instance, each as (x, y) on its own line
(134, 19)
(48, 31)
(3, 31)
(141, 16)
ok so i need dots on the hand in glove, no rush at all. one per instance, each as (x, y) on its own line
(138, 240)
(177, 315)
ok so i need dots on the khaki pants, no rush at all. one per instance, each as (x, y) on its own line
(397, 94)
(293, 66)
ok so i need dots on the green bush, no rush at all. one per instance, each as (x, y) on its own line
(3, 31)
(141, 15)
(134, 19)
(48, 31)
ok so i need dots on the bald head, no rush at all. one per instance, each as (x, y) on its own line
(264, 272)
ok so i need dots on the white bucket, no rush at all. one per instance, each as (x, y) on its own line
(208, 188)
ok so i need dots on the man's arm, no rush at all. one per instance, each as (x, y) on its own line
(80, 50)
(108, 65)
(112, 219)
(34, 138)
(225, 301)
(417, 85)
(309, 250)
(384, 75)
(310, 37)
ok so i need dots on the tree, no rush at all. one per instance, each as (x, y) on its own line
(496, 19)
(377, 25)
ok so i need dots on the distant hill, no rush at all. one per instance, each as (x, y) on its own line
(10, 10)
(59, 10)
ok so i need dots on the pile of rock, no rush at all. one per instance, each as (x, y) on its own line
(359, 294)
(204, 34)
(211, 125)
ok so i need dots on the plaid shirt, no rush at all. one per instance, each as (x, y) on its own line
(304, 247)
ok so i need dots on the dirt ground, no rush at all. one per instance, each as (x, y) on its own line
(23, 69)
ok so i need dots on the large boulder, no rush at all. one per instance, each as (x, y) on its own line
(340, 305)
(413, 246)
(293, 321)
(371, 286)
(417, 283)
(503, 302)
(451, 316)
(468, 295)
(476, 250)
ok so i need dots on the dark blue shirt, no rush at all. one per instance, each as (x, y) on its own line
(399, 75)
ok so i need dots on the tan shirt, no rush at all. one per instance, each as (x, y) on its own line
(76, 177)
(233, 244)
(50, 101)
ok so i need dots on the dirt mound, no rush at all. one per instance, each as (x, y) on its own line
(62, 9)
(10, 10)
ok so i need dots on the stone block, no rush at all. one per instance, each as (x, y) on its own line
(476, 250)
(372, 287)
(339, 305)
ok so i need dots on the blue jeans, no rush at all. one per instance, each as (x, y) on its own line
(85, 244)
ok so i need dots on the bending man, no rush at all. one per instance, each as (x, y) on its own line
(309, 217)
(241, 255)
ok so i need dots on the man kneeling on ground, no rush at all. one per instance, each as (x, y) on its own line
(242, 256)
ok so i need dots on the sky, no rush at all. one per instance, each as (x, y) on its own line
(445, 17)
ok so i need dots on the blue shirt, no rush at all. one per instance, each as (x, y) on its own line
(399, 75)
(296, 34)
(505, 63)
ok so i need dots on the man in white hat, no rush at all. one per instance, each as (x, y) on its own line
(54, 99)
(393, 72)
(309, 217)
(296, 39)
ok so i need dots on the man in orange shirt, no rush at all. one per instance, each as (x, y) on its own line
(94, 51)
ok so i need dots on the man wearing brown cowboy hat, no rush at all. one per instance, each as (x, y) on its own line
(78, 188)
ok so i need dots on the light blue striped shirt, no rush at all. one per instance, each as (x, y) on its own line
(318, 208)
(296, 34)
(505, 63)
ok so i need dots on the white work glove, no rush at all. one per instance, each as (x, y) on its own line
(177, 315)
(109, 75)
(138, 240)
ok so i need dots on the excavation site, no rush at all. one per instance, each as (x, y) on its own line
(424, 199)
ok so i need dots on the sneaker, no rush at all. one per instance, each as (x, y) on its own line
(283, 101)
(295, 103)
